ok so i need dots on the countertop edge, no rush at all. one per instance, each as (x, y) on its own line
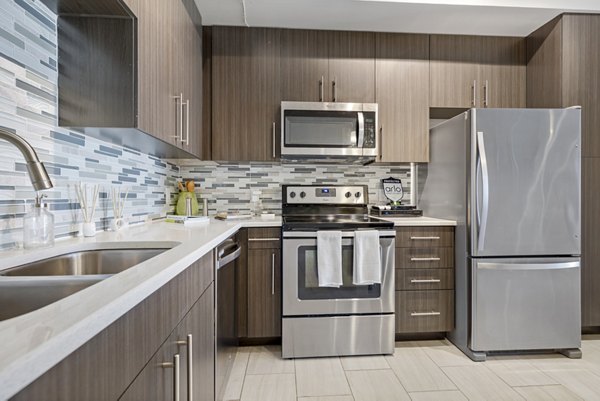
(21, 371)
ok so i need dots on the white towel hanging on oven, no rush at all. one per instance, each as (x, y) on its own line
(329, 258)
(367, 258)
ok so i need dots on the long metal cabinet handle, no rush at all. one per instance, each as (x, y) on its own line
(333, 86)
(432, 313)
(190, 365)
(424, 238)
(424, 259)
(361, 130)
(321, 85)
(425, 280)
(474, 93)
(274, 140)
(273, 273)
(179, 124)
(263, 239)
(486, 90)
(176, 375)
(485, 190)
(187, 122)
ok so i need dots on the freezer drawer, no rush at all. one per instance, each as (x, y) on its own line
(524, 304)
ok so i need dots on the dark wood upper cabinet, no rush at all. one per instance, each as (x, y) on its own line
(327, 66)
(245, 93)
(351, 67)
(304, 65)
(120, 66)
(477, 71)
(402, 93)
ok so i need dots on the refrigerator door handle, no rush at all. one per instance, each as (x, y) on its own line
(485, 191)
(528, 266)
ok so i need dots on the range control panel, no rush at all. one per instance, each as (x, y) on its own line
(332, 194)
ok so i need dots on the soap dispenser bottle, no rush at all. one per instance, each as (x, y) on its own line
(38, 225)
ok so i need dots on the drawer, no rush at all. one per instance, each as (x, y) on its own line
(264, 238)
(419, 237)
(424, 258)
(424, 279)
(424, 311)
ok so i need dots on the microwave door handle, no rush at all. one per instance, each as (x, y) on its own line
(361, 130)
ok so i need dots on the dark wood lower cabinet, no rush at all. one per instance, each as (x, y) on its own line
(424, 311)
(157, 381)
(264, 292)
(113, 361)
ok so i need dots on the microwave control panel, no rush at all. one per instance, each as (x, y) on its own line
(370, 130)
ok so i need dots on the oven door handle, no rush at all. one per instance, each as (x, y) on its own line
(361, 130)
(350, 234)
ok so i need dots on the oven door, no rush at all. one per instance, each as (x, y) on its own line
(302, 295)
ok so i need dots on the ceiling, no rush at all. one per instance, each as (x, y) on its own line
(469, 17)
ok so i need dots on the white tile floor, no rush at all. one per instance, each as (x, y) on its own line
(418, 371)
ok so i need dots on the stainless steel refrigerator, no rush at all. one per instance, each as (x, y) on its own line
(511, 178)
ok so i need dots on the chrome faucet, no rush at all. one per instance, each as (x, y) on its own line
(37, 172)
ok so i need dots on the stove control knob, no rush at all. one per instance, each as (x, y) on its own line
(348, 194)
(292, 194)
(302, 194)
(358, 194)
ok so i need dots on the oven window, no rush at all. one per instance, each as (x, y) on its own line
(308, 282)
(318, 129)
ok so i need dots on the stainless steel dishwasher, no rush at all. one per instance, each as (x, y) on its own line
(226, 338)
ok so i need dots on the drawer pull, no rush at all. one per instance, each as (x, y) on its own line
(425, 280)
(263, 239)
(424, 238)
(432, 313)
(424, 259)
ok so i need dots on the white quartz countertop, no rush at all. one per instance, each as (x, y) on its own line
(418, 221)
(31, 344)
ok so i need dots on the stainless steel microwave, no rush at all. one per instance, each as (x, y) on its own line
(331, 132)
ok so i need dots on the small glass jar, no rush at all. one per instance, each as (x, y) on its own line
(38, 226)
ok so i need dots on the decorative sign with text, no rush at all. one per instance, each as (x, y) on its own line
(392, 188)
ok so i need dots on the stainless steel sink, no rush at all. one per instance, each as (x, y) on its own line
(29, 287)
(105, 261)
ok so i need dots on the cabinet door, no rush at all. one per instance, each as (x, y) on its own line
(454, 70)
(402, 71)
(503, 72)
(264, 293)
(188, 79)
(156, 381)
(304, 65)
(351, 67)
(157, 109)
(245, 93)
(200, 324)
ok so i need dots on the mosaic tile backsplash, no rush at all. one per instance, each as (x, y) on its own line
(229, 187)
(28, 106)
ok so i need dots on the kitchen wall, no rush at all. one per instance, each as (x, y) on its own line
(230, 186)
(28, 91)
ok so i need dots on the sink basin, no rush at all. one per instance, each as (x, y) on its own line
(22, 295)
(105, 261)
(29, 287)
